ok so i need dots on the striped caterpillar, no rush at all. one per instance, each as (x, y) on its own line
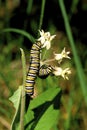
(35, 69)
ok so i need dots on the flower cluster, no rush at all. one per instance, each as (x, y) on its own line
(45, 39)
(62, 55)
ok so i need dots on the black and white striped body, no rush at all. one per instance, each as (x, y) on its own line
(34, 68)
(44, 71)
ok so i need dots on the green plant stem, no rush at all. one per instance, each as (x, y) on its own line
(28, 11)
(76, 57)
(29, 7)
(23, 91)
(42, 14)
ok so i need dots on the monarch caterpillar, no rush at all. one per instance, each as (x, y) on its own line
(44, 71)
(34, 68)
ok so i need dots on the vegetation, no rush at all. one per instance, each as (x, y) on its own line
(57, 104)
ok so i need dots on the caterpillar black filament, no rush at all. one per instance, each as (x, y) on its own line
(34, 68)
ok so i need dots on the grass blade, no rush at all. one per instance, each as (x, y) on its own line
(22, 32)
(80, 72)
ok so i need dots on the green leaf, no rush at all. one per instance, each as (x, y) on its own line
(22, 109)
(15, 99)
(29, 117)
(45, 110)
(22, 32)
(45, 96)
(48, 119)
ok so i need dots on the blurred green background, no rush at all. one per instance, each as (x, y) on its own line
(25, 15)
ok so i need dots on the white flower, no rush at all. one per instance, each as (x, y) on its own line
(58, 71)
(62, 55)
(46, 39)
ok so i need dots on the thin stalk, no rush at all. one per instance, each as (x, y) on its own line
(23, 91)
(28, 11)
(50, 60)
(80, 72)
(29, 7)
(42, 14)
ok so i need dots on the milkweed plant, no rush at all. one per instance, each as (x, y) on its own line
(43, 111)
(46, 39)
